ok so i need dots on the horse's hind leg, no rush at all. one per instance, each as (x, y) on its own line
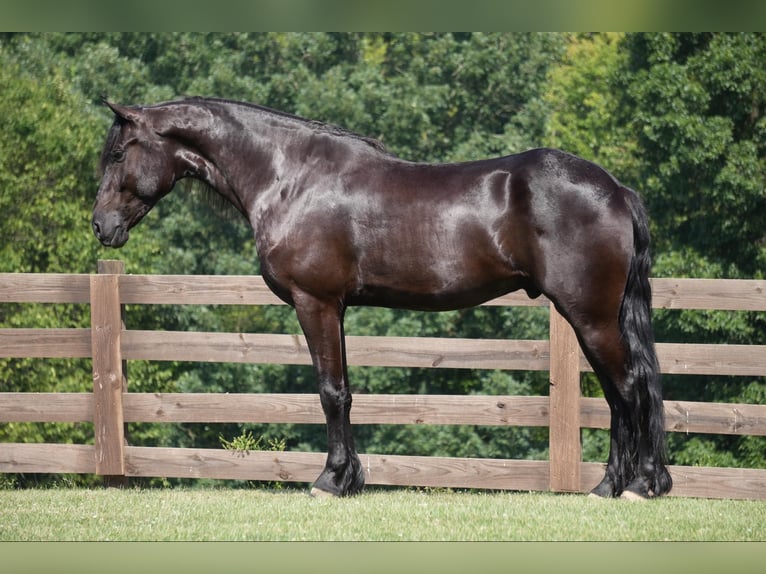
(630, 468)
(603, 348)
(322, 323)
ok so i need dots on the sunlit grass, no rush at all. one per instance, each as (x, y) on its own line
(255, 515)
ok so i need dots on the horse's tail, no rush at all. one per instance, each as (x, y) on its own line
(638, 334)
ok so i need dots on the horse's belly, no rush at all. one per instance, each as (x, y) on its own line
(408, 292)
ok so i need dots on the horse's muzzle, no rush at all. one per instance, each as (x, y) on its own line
(109, 235)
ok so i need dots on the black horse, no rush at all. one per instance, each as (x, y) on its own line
(338, 221)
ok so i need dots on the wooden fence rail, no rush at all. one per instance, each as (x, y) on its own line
(564, 411)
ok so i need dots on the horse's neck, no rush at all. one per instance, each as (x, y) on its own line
(216, 152)
(246, 151)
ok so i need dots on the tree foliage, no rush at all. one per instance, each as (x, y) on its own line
(699, 102)
(679, 117)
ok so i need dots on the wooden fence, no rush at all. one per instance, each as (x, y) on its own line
(564, 411)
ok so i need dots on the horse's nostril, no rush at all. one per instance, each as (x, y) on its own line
(96, 229)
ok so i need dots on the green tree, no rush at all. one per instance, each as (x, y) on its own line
(46, 155)
(584, 108)
(697, 112)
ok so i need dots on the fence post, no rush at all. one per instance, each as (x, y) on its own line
(564, 434)
(108, 374)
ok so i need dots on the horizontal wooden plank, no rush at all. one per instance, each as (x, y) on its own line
(196, 290)
(48, 458)
(306, 466)
(705, 359)
(44, 288)
(487, 410)
(705, 482)
(362, 351)
(441, 472)
(427, 352)
(223, 464)
(712, 482)
(689, 417)
(697, 481)
(223, 408)
(675, 358)
(668, 293)
(215, 347)
(715, 418)
(430, 352)
(45, 343)
(46, 407)
(722, 294)
(366, 409)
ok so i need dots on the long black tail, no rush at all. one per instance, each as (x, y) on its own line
(638, 334)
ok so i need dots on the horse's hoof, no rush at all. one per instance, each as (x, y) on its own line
(632, 496)
(319, 493)
(595, 496)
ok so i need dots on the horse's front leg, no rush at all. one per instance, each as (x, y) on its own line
(322, 323)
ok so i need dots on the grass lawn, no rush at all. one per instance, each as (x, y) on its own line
(61, 514)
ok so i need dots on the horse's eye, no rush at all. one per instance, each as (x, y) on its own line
(118, 155)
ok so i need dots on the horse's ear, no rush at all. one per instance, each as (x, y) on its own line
(125, 113)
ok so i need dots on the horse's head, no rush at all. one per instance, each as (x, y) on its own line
(138, 169)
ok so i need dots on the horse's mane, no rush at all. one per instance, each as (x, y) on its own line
(313, 124)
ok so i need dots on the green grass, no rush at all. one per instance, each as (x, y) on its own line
(261, 515)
